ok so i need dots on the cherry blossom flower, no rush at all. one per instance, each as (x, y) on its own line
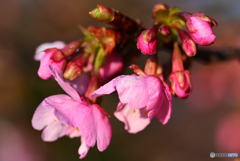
(141, 99)
(72, 116)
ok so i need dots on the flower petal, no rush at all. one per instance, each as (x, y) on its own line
(134, 120)
(64, 108)
(85, 121)
(58, 75)
(155, 91)
(53, 131)
(104, 131)
(83, 149)
(165, 111)
(131, 89)
(93, 125)
(42, 116)
(80, 83)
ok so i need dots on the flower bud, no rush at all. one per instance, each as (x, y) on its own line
(180, 79)
(181, 83)
(147, 41)
(188, 45)
(72, 71)
(165, 31)
(75, 65)
(200, 29)
(151, 65)
(71, 48)
(102, 13)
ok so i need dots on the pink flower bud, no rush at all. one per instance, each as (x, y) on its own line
(181, 83)
(199, 27)
(147, 41)
(165, 31)
(72, 71)
(188, 46)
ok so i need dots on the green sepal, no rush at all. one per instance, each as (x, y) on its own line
(174, 10)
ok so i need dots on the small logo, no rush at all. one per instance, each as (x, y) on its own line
(212, 155)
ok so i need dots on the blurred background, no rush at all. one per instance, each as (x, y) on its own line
(207, 121)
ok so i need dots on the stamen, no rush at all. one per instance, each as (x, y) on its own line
(68, 126)
(144, 112)
(133, 111)
(55, 120)
(76, 129)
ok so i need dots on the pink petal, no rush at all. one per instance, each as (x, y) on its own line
(58, 75)
(113, 65)
(83, 149)
(93, 125)
(42, 116)
(53, 131)
(105, 89)
(85, 121)
(204, 34)
(155, 92)
(104, 131)
(80, 83)
(165, 111)
(131, 89)
(134, 121)
(64, 107)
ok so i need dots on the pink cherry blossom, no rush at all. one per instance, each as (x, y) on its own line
(141, 99)
(72, 116)
(200, 31)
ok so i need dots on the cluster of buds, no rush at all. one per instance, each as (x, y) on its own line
(83, 65)
(167, 28)
(168, 24)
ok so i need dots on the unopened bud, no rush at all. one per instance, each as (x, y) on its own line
(71, 48)
(151, 65)
(199, 27)
(177, 63)
(75, 65)
(147, 41)
(72, 71)
(181, 83)
(102, 13)
(165, 31)
(188, 45)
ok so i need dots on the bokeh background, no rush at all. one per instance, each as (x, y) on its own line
(207, 121)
